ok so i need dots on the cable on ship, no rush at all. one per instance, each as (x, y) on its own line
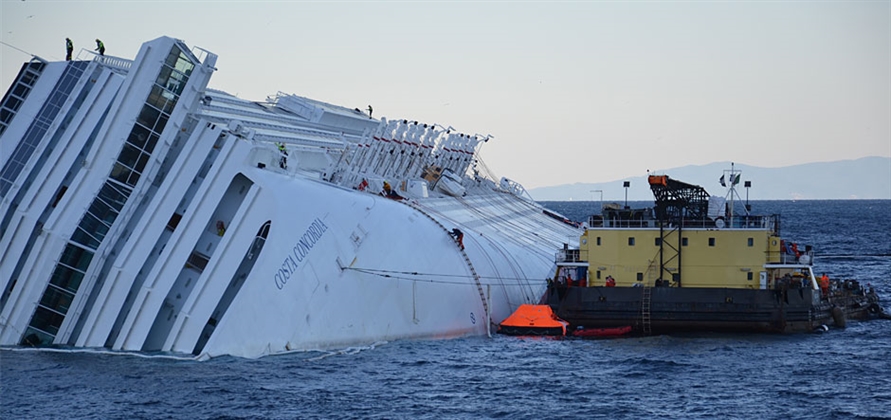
(400, 275)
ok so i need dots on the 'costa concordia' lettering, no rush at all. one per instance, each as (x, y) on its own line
(299, 252)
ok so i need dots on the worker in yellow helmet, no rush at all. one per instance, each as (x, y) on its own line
(283, 160)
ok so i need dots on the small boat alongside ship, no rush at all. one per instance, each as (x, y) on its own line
(531, 319)
(603, 332)
(695, 263)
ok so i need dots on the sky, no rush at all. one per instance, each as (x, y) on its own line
(577, 91)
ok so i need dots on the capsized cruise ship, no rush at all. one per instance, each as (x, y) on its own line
(142, 211)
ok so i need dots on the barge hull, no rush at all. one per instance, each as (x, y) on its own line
(673, 309)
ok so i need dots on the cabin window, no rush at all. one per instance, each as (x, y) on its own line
(751, 243)
(259, 240)
(658, 241)
(749, 275)
(197, 261)
(59, 195)
(631, 241)
(76, 257)
(148, 117)
(598, 241)
(675, 277)
(711, 241)
(683, 241)
(174, 221)
(639, 276)
(598, 274)
(57, 299)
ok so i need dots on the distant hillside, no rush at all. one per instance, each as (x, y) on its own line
(864, 178)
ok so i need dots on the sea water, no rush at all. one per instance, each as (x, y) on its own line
(842, 373)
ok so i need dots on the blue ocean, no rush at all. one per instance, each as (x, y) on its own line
(839, 374)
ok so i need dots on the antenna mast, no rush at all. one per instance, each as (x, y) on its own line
(732, 178)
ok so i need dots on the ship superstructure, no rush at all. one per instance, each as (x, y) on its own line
(141, 210)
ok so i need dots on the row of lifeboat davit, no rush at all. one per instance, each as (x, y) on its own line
(540, 320)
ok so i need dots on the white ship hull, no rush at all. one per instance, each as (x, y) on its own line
(200, 242)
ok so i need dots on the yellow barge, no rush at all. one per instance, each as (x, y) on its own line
(692, 263)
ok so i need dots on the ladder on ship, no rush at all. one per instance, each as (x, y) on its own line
(476, 277)
(645, 309)
(479, 288)
(654, 272)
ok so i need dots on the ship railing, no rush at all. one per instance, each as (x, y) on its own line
(803, 258)
(609, 220)
(200, 53)
(623, 223)
(567, 255)
(736, 222)
(113, 62)
(753, 222)
(514, 188)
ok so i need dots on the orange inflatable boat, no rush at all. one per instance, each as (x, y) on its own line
(533, 320)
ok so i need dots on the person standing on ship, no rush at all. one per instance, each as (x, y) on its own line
(283, 160)
(100, 47)
(824, 285)
(69, 48)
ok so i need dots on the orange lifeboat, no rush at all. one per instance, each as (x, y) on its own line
(533, 320)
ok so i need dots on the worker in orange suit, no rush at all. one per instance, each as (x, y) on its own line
(455, 233)
(824, 285)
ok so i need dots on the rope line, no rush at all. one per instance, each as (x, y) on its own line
(401, 276)
(17, 48)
